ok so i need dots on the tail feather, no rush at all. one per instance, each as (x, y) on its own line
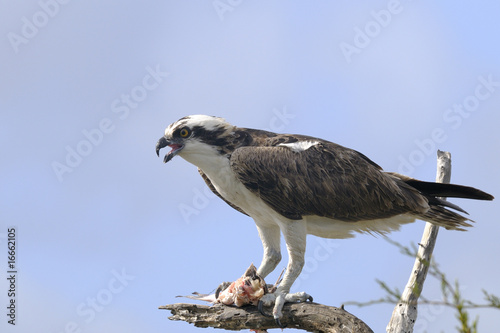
(433, 201)
(438, 213)
(449, 190)
(445, 218)
(444, 190)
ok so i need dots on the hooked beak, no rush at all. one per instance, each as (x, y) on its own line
(164, 142)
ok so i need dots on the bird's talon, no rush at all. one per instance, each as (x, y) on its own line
(278, 322)
(223, 286)
(260, 307)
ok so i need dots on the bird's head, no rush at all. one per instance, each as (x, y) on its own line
(196, 138)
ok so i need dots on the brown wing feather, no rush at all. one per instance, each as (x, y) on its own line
(327, 180)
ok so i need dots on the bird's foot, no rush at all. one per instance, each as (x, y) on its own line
(279, 299)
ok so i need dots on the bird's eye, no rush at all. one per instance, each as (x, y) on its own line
(184, 132)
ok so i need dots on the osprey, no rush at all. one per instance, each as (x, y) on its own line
(298, 185)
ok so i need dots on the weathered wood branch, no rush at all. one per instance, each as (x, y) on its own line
(405, 313)
(311, 317)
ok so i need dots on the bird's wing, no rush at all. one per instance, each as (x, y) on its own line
(326, 180)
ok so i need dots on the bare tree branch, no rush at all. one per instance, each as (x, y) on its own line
(311, 317)
(405, 313)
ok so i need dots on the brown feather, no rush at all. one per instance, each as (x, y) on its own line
(326, 180)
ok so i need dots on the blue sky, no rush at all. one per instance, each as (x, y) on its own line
(106, 232)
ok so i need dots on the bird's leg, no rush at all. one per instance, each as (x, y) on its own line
(295, 233)
(270, 236)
